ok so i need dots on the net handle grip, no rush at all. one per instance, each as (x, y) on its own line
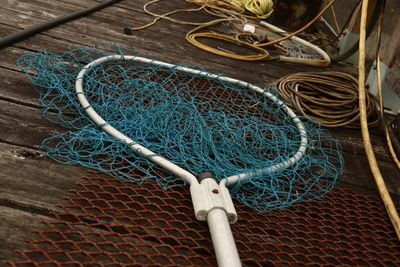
(222, 238)
(208, 195)
(212, 202)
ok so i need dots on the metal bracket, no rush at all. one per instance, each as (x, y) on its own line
(208, 195)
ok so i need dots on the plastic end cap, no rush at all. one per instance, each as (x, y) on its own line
(128, 31)
(205, 175)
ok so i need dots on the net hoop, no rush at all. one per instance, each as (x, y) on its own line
(165, 163)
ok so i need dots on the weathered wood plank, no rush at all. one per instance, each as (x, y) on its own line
(351, 142)
(15, 87)
(16, 227)
(358, 174)
(26, 174)
(27, 177)
(18, 118)
(40, 42)
(111, 30)
(19, 185)
(101, 29)
(22, 125)
(131, 11)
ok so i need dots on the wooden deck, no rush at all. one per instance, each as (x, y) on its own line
(32, 186)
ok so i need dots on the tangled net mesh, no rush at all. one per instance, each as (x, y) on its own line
(198, 123)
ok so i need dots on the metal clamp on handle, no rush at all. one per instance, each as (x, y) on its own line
(208, 195)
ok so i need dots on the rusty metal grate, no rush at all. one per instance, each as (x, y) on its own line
(108, 222)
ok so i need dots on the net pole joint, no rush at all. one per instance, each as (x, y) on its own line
(208, 195)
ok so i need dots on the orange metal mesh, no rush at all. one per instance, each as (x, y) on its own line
(108, 222)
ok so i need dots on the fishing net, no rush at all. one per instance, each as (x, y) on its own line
(199, 123)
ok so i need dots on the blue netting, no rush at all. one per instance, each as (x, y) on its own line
(199, 124)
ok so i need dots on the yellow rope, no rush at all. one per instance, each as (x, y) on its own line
(192, 37)
(387, 200)
(261, 8)
(166, 16)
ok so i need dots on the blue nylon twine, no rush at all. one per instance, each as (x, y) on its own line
(198, 123)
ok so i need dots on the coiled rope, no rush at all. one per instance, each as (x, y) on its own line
(261, 8)
(193, 38)
(329, 97)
